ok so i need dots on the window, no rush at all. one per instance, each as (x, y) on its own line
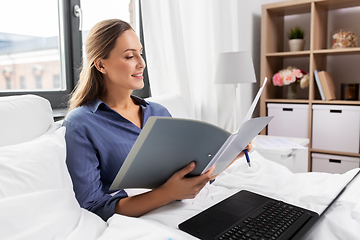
(30, 49)
(8, 82)
(56, 81)
(38, 84)
(43, 54)
(22, 82)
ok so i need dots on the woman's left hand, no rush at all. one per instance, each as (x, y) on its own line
(249, 147)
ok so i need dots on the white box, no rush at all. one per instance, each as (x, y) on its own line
(336, 128)
(295, 159)
(333, 163)
(290, 120)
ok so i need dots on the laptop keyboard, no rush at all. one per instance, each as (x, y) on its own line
(269, 222)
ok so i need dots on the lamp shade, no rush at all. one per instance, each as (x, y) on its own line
(234, 68)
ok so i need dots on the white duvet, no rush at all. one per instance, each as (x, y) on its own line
(309, 190)
(37, 201)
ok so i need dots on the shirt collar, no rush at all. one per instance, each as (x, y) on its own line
(95, 104)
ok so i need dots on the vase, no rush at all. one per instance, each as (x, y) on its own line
(292, 91)
(296, 45)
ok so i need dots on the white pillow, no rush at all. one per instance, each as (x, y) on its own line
(37, 165)
(36, 195)
(23, 118)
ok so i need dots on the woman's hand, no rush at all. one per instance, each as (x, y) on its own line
(178, 186)
(249, 147)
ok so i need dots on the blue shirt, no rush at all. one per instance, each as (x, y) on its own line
(98, 139)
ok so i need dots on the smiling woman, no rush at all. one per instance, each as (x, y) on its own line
(105, 121)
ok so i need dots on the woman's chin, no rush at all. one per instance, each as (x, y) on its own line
(138, 87)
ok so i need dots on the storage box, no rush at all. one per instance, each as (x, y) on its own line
(333, 163)
(336, 128)
(290, 120)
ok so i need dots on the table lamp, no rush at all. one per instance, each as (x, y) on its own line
(234, 68)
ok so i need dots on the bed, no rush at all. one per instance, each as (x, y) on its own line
(37, 200)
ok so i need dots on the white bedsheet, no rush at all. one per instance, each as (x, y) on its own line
(309, 190)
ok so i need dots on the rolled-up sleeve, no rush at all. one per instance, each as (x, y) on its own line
(83, 165)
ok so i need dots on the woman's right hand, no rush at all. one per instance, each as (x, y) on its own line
(179, 187)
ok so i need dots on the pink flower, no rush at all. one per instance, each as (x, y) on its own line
(297, 73)
(277, 79)
(288, 77)
(291, 75)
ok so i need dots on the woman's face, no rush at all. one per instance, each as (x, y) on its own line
(124, 66)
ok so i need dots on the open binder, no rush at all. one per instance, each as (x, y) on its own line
(166, 145)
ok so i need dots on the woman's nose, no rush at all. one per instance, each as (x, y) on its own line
(141, 63)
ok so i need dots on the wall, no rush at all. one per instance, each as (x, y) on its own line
(249, 19)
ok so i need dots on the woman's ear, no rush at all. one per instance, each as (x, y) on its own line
(99, 66)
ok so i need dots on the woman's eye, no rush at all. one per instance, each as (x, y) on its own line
(129, 57)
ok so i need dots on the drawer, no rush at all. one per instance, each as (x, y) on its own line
(336, 128)
(333, 163)
(290, 120)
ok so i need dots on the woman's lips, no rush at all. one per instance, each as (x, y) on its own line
(138, 75)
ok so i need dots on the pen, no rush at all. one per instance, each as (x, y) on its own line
(247, 156)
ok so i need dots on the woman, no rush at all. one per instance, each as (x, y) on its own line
(105, 120)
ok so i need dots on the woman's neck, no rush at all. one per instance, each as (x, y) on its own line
(118, 100)
(125, 106)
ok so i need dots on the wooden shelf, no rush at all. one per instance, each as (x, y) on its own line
(287, 101)
(336, 102)
(288, 8)
(336, 4)
(312, 150)
(319, 18)
(288, 54)
(354, 50)
(333, 102)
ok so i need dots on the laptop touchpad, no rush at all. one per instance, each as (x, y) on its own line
(235, 207)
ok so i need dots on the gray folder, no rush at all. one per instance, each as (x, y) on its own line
(166, 145)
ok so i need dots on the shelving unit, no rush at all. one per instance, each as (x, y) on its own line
(317, 17)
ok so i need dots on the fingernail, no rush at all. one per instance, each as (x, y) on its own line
(192, 165)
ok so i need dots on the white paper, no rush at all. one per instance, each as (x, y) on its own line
(236, 143)
(254, 103)
(219, 153)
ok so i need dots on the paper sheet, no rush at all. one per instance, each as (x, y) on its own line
(254, 103)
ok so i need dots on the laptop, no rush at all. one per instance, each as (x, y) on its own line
(248, 215)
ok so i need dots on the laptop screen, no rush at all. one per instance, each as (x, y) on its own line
(339, 194)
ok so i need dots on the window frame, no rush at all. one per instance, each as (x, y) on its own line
(145, 92)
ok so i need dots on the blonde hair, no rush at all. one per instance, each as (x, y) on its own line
(100, 40)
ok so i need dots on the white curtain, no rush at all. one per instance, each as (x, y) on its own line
(182, 40)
